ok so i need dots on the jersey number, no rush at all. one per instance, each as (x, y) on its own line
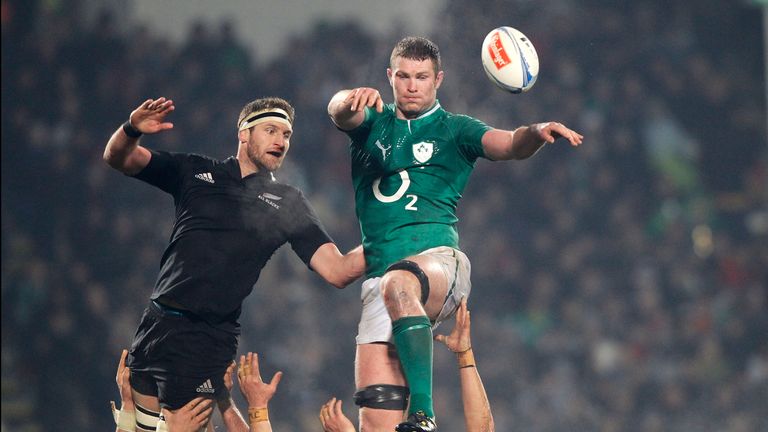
(397, 195)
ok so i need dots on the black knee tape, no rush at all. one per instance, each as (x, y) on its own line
(414, 268)
(383, 396)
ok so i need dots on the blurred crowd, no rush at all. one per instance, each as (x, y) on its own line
(620, 286)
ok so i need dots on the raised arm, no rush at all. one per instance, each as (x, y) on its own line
(525, 141)
(337, 269)
(257, 392)
(125, 418)
(123, 151)
(347, 107)
(477, 409)
(233, 419)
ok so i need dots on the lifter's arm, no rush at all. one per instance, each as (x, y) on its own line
(337, 269)
(477, 409)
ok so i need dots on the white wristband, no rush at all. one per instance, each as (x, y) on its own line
(125, 420)
(162, 426)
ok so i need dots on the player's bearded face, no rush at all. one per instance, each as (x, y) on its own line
(268, 144)
(415, 84)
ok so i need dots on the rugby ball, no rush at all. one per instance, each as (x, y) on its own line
(510, 60)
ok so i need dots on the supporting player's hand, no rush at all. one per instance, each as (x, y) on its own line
(256, 392)
(191, 417)
(123, 382)
(362, 97)
(149, 117)
(551, 131)
(459, 340)
(333, 418)
(228, 381)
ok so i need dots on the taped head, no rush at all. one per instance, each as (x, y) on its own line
(265, 109)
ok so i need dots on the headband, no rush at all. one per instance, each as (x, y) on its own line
(274, 114)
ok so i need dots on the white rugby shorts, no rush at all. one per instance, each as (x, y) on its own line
(376, 325)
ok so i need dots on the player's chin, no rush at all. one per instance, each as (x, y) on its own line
(271, 163)
(411, 110)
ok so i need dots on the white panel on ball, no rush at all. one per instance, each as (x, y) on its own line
(510, 59)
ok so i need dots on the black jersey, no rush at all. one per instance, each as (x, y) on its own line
(226, 229)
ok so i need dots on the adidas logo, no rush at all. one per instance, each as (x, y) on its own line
(205, 387)
(205, 177)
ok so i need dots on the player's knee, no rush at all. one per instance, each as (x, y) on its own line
(383, 396)
(394, 282)
(146, 419)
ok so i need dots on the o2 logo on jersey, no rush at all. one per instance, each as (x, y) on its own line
(406, 182)
(422, 151)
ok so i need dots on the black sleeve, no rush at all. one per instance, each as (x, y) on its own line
(163, 171)
(308, 234)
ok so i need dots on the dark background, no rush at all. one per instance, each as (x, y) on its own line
(620, 286)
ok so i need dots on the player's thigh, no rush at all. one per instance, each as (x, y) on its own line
(146, 401)
(438, 283)
(147, 411)
(377, 363)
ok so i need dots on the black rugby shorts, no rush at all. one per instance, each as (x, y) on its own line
(178, 357)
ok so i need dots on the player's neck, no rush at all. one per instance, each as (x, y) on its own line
(246, 166)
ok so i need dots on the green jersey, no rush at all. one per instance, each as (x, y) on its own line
(408, 177)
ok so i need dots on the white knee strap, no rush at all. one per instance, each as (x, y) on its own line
(146, 419)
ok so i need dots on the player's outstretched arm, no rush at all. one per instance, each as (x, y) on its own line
(347, 107)
(233, 419)
(337, 269)
(125, 418)
(477, 409)
(123, 151)
(525, 141)
(257, 392)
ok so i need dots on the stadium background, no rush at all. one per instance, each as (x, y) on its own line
(618, 287)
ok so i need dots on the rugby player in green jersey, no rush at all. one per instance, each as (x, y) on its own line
(410, 163)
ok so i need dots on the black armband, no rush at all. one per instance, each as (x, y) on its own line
(130, 130)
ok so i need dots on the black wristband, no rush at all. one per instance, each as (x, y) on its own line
(130, 130)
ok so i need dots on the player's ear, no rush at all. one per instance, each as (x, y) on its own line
(243, 135)
(389, 75)
(439, 79)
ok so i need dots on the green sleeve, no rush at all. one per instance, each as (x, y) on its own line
(360, 134)
(469, 132)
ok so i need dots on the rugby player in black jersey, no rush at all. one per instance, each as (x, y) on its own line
(231, 216)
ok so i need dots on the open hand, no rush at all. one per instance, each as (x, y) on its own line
(256, 392)
(551, 131)
(333, 418)
(459, 340)
(149, 117)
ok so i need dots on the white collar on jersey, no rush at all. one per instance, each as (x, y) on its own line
(430, 111)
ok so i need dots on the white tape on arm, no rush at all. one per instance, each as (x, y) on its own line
(125, 420)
